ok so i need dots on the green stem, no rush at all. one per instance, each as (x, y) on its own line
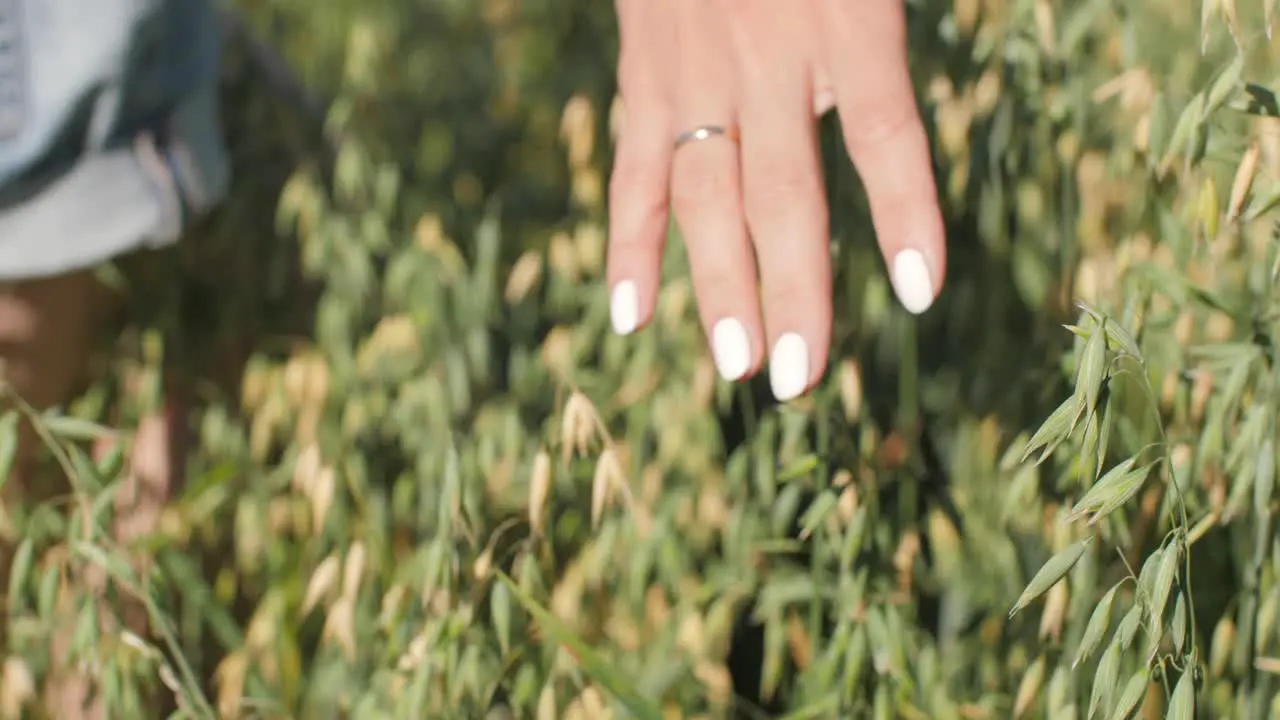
(1181, 517)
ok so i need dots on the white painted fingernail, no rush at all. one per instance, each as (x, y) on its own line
(789, 367)
(624, 308)
(911, 281)
(731, 348)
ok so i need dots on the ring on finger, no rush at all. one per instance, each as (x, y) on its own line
(706, 132)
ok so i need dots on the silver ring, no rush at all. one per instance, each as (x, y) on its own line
(704, 132)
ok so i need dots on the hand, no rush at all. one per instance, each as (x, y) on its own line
(753, 215)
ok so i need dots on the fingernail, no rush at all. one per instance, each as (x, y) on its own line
(731, 348)
(911, 281)
(624, 308)
(789, 367)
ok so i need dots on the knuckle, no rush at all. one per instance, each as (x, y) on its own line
(883, 123)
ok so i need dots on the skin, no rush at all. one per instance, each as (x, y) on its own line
(753, 213)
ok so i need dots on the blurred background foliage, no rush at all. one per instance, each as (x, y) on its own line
(427, 482)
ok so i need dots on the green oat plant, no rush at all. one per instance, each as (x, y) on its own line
(64, 545)
(455, 411)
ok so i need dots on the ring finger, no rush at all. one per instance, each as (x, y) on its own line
(784, 189)
(706, 193)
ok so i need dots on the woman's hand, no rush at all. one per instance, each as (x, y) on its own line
(748, 195)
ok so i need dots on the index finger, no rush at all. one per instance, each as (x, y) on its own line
(864, 52)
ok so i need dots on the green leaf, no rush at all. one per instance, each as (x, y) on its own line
(817, 513)
(1264, 479)
(1093, 368)
(500, 612)
(1056, 429)
(1050, 573)
(1162, 584)
(1096, 628)
(19, 571)
(594, 665)
(798, 469)
(1129, 626)
(1115, 483)
(1104, 438)
(70, 427)
(1182, 704)
(1178, 626)
(1223, 86)
(775, 652)
(1117, 336)
(8, 444)
(1104, 678)
(1187, 122)
(1134, 689)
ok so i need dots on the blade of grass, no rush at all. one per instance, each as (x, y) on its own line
(595, 666)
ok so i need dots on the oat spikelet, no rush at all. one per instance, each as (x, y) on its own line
(851, 390)
(1055, 612)
(524, 277)
(539, 490)
(1243, 181)
(353, 570)
(577, 426)
(322, 583)
(608, 480)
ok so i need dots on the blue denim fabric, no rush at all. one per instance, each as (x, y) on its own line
(109, 130)
(81, 76)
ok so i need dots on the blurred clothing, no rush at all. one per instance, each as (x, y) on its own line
(109, 132)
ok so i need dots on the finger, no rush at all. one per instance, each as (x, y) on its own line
(783, 191)
(706, 193)
(864, 50)
(638, 185)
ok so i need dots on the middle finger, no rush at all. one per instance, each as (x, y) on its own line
(783, 185)
(706, 193)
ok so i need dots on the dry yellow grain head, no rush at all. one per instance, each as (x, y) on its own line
(1201, 391)
(548, 707)
(230, 679)
(850, 380)
(557, 352)
(578, 131)
(904, 561)
(717, 681)
(322, 497)
(340, 626)
(966, 15)
(1220, 646)
(562, 257)
(17, 687)
(322, 585)
(524, 277)
(566, 596)
(799, 643)
(589, 244)
(353, 570)
(1046, 30)
(1055, 611)
(587, 188)
(1243, 181)
(1029, 687)
(539, 491)
(609, 481)
(589, 705)
(578, 425)
(482, 568)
